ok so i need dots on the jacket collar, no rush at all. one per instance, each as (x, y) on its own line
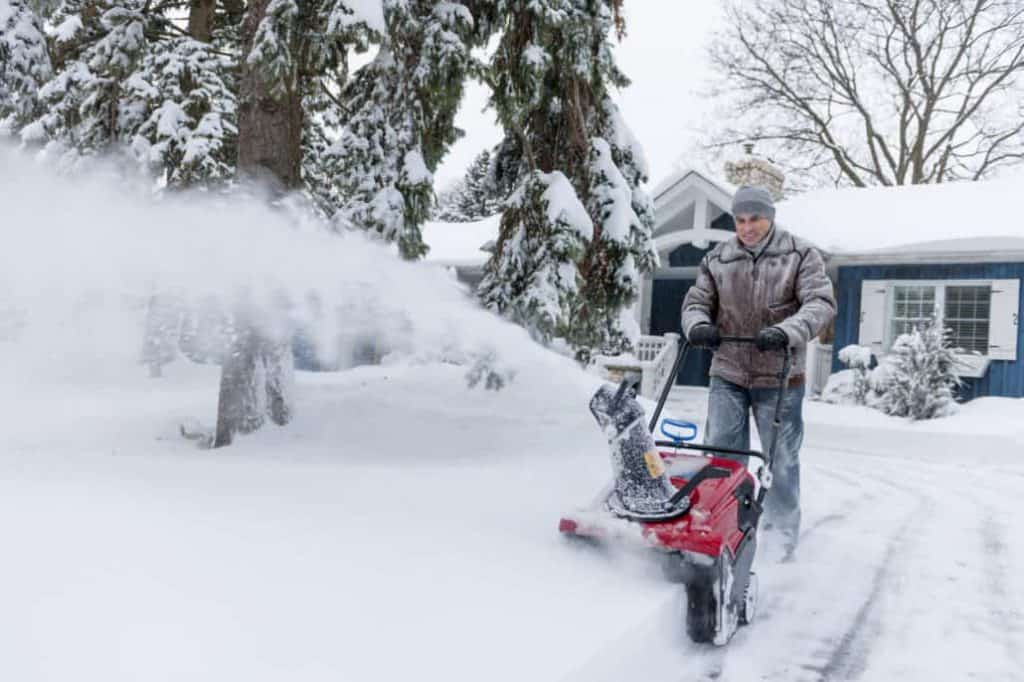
(733, 250)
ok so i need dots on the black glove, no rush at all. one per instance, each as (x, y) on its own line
(705, 336)
(772, 338)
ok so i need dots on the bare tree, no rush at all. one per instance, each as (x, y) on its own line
(875, 92)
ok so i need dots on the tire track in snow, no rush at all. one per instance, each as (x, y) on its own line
(1008, 622)
(846, 656)
(847, 660)
(939, 607)
(805, 602)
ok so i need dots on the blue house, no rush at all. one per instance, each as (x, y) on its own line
(897, 255)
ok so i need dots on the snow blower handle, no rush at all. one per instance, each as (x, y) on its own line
(787, 361)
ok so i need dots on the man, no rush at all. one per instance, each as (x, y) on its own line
(768, 284)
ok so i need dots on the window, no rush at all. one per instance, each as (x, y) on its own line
(966, 315)
(963, 309)
(913, 307)
(983, 316)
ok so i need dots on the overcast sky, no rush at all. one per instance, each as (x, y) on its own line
(664, 55)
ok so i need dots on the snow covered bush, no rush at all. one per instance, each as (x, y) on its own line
(920, 380)
(858, 359)
(839, 389)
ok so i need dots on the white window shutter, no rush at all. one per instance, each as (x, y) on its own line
(1004, 322)
(872, 315)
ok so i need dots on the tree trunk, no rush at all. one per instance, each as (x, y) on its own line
(200, 19)
(269, 127)
(257, 371)
(239, 405)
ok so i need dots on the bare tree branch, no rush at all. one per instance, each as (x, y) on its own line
(887, 91)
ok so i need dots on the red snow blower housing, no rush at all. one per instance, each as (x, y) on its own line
(700, 511)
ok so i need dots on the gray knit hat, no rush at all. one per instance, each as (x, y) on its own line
(754, 201)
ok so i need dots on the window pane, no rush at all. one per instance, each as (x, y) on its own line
(913, 308)
(967, 316)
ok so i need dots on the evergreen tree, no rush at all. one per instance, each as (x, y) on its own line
(99, 44)
(24, 64)
(920, 379)
(448, 203)
(43, 8)
(551, 78)
(184, 104)
(286, 44)
(401, 113)
(475, 197)
(533, 279)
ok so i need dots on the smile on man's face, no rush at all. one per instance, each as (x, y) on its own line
(751, 228)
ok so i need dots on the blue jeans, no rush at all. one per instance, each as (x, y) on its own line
(728, 426)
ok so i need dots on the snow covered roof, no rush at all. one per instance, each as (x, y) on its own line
(948, 221)
(460, 244)
(956, 219)
(681, 174)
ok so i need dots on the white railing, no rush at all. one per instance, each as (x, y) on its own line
(819, 366)
(653, 359)
(656, 370)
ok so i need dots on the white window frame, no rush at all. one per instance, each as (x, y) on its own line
(971, 364)
(940, 300)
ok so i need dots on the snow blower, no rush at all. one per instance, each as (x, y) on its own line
(700, 512)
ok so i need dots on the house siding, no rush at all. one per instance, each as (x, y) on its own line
(1003, 378)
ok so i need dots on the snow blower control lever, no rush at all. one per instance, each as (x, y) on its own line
(766, 457)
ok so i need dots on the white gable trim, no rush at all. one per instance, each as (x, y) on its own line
(693, 179)
(673, 240)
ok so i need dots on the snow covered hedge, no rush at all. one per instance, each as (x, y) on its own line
(917, 379)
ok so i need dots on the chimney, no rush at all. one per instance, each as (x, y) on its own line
(754, 170)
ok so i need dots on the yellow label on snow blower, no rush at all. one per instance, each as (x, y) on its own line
(655, 465)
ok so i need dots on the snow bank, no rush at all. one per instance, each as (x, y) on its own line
(990, 416)
(460, 244)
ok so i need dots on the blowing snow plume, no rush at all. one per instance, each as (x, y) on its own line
(83, 260)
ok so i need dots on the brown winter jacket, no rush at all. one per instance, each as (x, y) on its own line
(784, 286)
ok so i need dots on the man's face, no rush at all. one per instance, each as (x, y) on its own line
(751, 228)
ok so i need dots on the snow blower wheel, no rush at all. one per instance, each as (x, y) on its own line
(712, 609)
(748, 609)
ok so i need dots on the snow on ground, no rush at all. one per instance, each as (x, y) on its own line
(401, 526)
(458, 244)
(404, 526)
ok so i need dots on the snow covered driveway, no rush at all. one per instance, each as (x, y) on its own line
(908, 567)
(405, 528)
